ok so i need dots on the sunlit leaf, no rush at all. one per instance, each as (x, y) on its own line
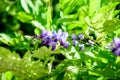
(94, 6)
(27, 5)
(38, 25)
(24, 17)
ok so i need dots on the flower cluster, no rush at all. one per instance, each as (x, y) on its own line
(52, 38)
(116, 46)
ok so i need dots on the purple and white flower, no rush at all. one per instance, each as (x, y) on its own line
(116, 46)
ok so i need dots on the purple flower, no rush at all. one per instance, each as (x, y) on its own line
(49, 34)
(53, 44)
(63, 36)
(80, 36)
(44, 33)
(113, 49)
(73, 37)
(51, 38)
(116, 42)
(64, 44)
(81, 46)
(116, 46)
(57, 36)
(90, 42)
(43, 42)
(37, 36)
(54, 34)
(75, 42)
(60, 32)
(117, 51)
(53, 47)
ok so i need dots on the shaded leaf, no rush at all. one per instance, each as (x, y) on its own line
(60, 76)
(110, 25)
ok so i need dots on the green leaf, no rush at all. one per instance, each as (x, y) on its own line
(41, 53)
(108, 72)
(38, 24)
(60, 76)
(61, 20)
(94, 6)
(49, 16)
(97, 17)
(27, 5)
(7, 76)
(24, 17)
(37, 31)
(111, 25)
(107, 55)
(4, 38)
(88, 21)
(38, 7)
(69, 6)
(5, 53)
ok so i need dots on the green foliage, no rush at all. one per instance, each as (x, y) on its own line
(23, 58)
(23, 68)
